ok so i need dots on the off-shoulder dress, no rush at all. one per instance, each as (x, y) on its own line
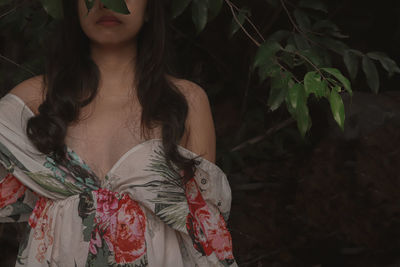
(138, 215)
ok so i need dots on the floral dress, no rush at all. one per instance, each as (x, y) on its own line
(139, 215)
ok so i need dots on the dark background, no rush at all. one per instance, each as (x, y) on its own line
(331, 199)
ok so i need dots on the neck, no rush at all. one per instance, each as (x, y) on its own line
(117, 65)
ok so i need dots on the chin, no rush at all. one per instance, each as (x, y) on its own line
(112, 42)
(111, 38)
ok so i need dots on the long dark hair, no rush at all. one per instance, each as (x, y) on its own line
(72, 78)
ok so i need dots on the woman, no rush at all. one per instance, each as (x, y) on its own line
(110, 158)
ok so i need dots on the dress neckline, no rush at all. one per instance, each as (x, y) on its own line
(123, 156)
(71, 151)
(117, 163)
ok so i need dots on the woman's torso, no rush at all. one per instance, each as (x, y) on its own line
(106, 129)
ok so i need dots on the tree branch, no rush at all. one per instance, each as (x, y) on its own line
(16, 64)
(259, 138)
(231, 6)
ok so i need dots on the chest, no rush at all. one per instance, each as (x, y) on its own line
(104, 133)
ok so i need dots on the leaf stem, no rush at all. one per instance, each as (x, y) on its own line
(16, 64)
(231, 6)
(11, 10)
(259, 138)
(249, 20)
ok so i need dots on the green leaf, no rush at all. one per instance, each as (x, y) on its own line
(328, 27)
(89, 4)
(282, 80)
(53, 8)
(291, 110)
(313, 83)
(293, 94)
(200, 14)
(325, 24)
(302, 114)
(288, 58)
(356, 52)
(265, 53)
(351, 62)
(313, 57)
(116, 6)
(371, 73)
(214, 7)
(387, 63)
(339, 76)
(337, 107)
(338, 34)
(278, 93)
(178, 6)
(332, 44)
(313, 4)
(279, 36)
(269, 69)
(241, 16)
(302, 20)
(301, 42)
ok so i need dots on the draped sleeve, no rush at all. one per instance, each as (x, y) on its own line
(19, 160)
(208, 195)
(16, 200)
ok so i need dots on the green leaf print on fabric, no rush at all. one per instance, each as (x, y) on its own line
(170, 203)
(102, 258)
(87, 212)
(58, 173)
(76, 160)
(20, 207)
(48, 182)
(9, 159)
(174, 215)
(80, 172)
(70, 178)
(89, 223)
(159, 165)
(22, 246)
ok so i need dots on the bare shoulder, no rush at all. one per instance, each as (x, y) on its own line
(199, 123)
(196, 98)
(31, 91)
(194, 93)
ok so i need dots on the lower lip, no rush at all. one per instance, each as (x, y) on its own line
(109, 22)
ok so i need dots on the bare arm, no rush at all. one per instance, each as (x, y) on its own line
(201, 131)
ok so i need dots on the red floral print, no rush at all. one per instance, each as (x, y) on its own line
(95, 242)
(209, 233)
(128, 237)
(107, 206)
(121, 223)
(37, 211)
(10, 190)
(41, 225)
